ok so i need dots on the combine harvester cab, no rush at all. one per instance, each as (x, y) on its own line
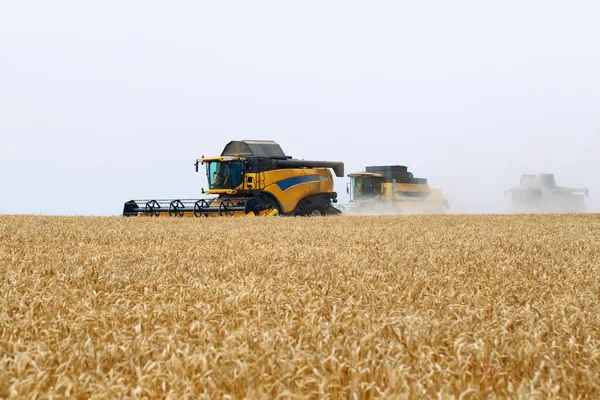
(254, 178)
(391, 189)
(539, 194)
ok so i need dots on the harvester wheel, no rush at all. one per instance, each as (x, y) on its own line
(315, 213)
(269, 209)
(261, 205)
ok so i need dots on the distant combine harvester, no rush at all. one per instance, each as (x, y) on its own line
(539, 194)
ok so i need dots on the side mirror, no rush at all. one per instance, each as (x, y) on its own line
(196, 164)
(348, 188)
(202, 191)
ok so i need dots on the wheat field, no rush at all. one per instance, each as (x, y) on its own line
(451, 306)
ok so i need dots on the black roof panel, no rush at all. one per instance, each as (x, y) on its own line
(253, 148)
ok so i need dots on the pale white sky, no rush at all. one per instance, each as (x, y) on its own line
(108, 101)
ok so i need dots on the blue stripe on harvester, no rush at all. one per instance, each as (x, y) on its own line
(289, 182)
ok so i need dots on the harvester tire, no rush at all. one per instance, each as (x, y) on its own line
(258, 205)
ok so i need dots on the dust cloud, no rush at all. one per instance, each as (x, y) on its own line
(391, 208)
(488, 181)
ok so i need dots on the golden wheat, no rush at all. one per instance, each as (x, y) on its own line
(340, 307)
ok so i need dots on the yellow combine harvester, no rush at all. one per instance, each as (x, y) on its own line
(253, 178)
(392, 189)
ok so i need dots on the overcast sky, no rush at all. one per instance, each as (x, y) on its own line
(102, 102)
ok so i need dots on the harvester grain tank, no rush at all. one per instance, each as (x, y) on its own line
(393, 189)
(251, 178)
(539, 194)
